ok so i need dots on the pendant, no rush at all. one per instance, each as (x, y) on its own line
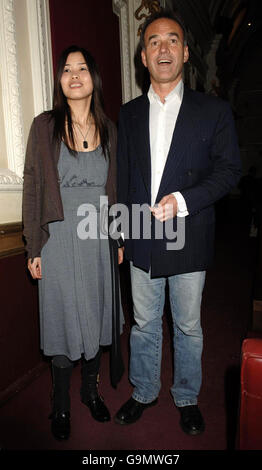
(85, 144)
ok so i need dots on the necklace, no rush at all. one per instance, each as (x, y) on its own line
(85, 143)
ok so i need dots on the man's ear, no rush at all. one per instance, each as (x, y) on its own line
(143, 57)
(186, 54)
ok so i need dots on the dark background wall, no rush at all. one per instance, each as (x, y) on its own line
(94, 26)
(19, 331)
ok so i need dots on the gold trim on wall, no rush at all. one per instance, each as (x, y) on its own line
(11, 241)
(152, 6)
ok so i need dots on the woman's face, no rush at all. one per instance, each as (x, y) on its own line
(76, 81)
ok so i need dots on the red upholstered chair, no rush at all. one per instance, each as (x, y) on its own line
(250, 424)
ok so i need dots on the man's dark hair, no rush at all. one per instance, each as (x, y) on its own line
(163, 13)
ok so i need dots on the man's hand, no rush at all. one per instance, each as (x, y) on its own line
(166, 208)
(34, 267)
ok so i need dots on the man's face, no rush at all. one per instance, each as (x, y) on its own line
(164, 54)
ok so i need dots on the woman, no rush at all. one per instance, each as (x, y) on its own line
(70, 161)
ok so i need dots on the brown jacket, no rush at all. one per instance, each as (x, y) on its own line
(42, 202)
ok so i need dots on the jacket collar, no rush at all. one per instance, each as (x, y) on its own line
(142, 141)
(184, 131)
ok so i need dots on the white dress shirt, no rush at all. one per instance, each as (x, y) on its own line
(162, 121)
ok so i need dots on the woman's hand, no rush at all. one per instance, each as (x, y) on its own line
(120, 255)
(34, 267)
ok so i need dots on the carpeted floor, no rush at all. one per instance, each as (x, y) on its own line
(226, 310)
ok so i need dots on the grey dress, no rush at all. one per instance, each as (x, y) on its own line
(75, 292)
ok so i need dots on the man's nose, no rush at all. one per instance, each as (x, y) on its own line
(163, 46)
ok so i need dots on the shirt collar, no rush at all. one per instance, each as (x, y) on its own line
(177, 92)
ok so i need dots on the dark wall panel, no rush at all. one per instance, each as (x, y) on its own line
(19, 325)
(94, 26)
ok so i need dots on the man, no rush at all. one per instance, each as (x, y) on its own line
(178, 153)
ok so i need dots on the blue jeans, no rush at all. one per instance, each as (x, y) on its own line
(185, 291)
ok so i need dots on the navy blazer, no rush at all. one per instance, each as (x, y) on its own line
(203, 163)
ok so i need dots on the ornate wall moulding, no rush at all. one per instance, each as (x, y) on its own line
(120, 8)
(152, 6)
(10, 89)
(39, 50)
(41, 54)
(9, 181)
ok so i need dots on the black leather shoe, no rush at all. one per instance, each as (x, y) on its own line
(98, 409)
(131, 411)
(60, 425)
(191, 420)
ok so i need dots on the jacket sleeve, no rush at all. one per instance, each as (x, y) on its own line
(29, 193)
(226, 166)
(112, 185)
(122, 167)
(122, 162)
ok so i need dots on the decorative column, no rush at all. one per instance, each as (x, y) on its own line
(132, 14)
(25, 91)
(41, 54)
(11, 94)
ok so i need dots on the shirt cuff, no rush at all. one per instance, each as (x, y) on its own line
(181, 205)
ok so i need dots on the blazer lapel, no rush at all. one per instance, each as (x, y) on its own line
(142, 141)
(184, 132)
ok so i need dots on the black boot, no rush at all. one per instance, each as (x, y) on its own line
(89, 389)
(60, 416)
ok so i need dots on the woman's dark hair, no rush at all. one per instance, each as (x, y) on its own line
(61, 110)
(163, 13)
